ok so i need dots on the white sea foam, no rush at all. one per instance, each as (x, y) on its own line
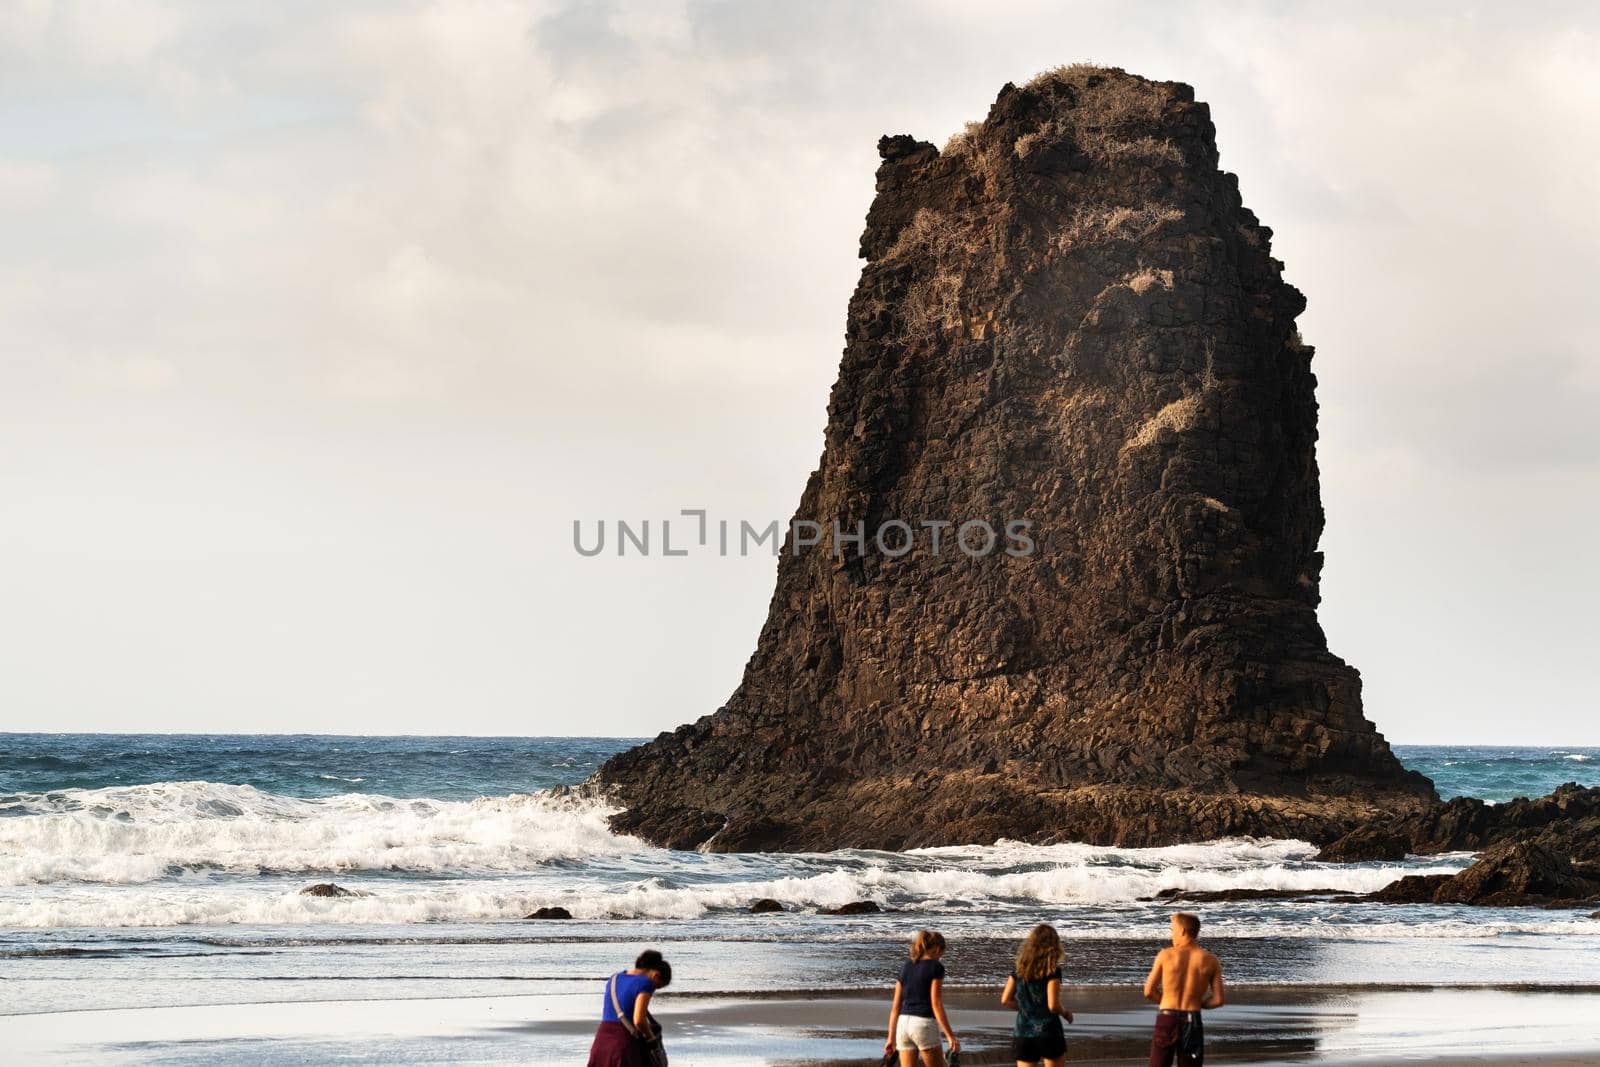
(1093, 900)
(180, 853)
(1579, 756)
(143, 833)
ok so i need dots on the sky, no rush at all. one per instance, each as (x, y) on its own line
(320, 324)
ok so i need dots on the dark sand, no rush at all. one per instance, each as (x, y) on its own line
(1260, 1025)
(1379, 1026)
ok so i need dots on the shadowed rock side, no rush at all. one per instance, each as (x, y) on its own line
(1066, 317)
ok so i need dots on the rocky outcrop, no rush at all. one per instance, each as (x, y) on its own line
(1070, 334)
(1509, 874)
(1412, 889)
(1366, 844)
(551, 912)
(1518, 872)
(329, 889)
(1542, 852)
(1566, 822)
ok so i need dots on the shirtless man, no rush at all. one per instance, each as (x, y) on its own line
(1184, 979)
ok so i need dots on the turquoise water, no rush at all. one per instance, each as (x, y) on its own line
(1501, 772)
(461, 768)
(301, 765)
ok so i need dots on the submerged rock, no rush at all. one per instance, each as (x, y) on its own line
(855, 907)
(765, 905)
(551, 913)
(328, 889)
(1068, 508)
(1209, 896)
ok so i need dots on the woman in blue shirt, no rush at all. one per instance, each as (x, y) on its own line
(622, 1039)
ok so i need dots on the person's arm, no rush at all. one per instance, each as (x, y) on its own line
(641, 1012)
(894, 1019)
(936, 993)
(1053, 997)
(1152, 984)
(1008, 997)
(1216, 996)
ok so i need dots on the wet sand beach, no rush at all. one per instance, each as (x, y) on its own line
(1549, 1026)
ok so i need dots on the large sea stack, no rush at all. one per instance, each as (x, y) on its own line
(1068, 318)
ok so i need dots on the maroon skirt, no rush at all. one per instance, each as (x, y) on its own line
(615, 1047)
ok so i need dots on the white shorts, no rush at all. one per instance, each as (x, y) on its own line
(915, 1032)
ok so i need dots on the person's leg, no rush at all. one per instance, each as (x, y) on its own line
(1190, 1030)
(908, 1057)
(1164, 1041)
(933, 1057)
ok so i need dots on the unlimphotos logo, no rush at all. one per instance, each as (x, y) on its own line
(892, 538)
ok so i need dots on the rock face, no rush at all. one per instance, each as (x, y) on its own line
(1067, 319)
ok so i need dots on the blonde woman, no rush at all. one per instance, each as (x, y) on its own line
(1034, 992)
(916, 1016)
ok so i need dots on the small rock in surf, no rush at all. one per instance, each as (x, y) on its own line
(855, 907)
(328, 889)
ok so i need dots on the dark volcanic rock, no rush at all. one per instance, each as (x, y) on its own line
(1509, 874)
(328, 889)
(1462, 824)
(1412, 889)
(1567, 822)
(551, 913)
(765, 905)
(855, 907)
(1067, 318)
(1209, 896)
(669, 826)
(1517, 872)
(1366, 844)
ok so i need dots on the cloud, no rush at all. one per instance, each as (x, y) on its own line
(410, 272)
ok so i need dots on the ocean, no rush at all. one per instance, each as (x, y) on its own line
(141, 871)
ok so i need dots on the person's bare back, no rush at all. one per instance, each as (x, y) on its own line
(1185, 976)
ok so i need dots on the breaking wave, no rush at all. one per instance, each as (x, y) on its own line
(144, 833)
(182, 853)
